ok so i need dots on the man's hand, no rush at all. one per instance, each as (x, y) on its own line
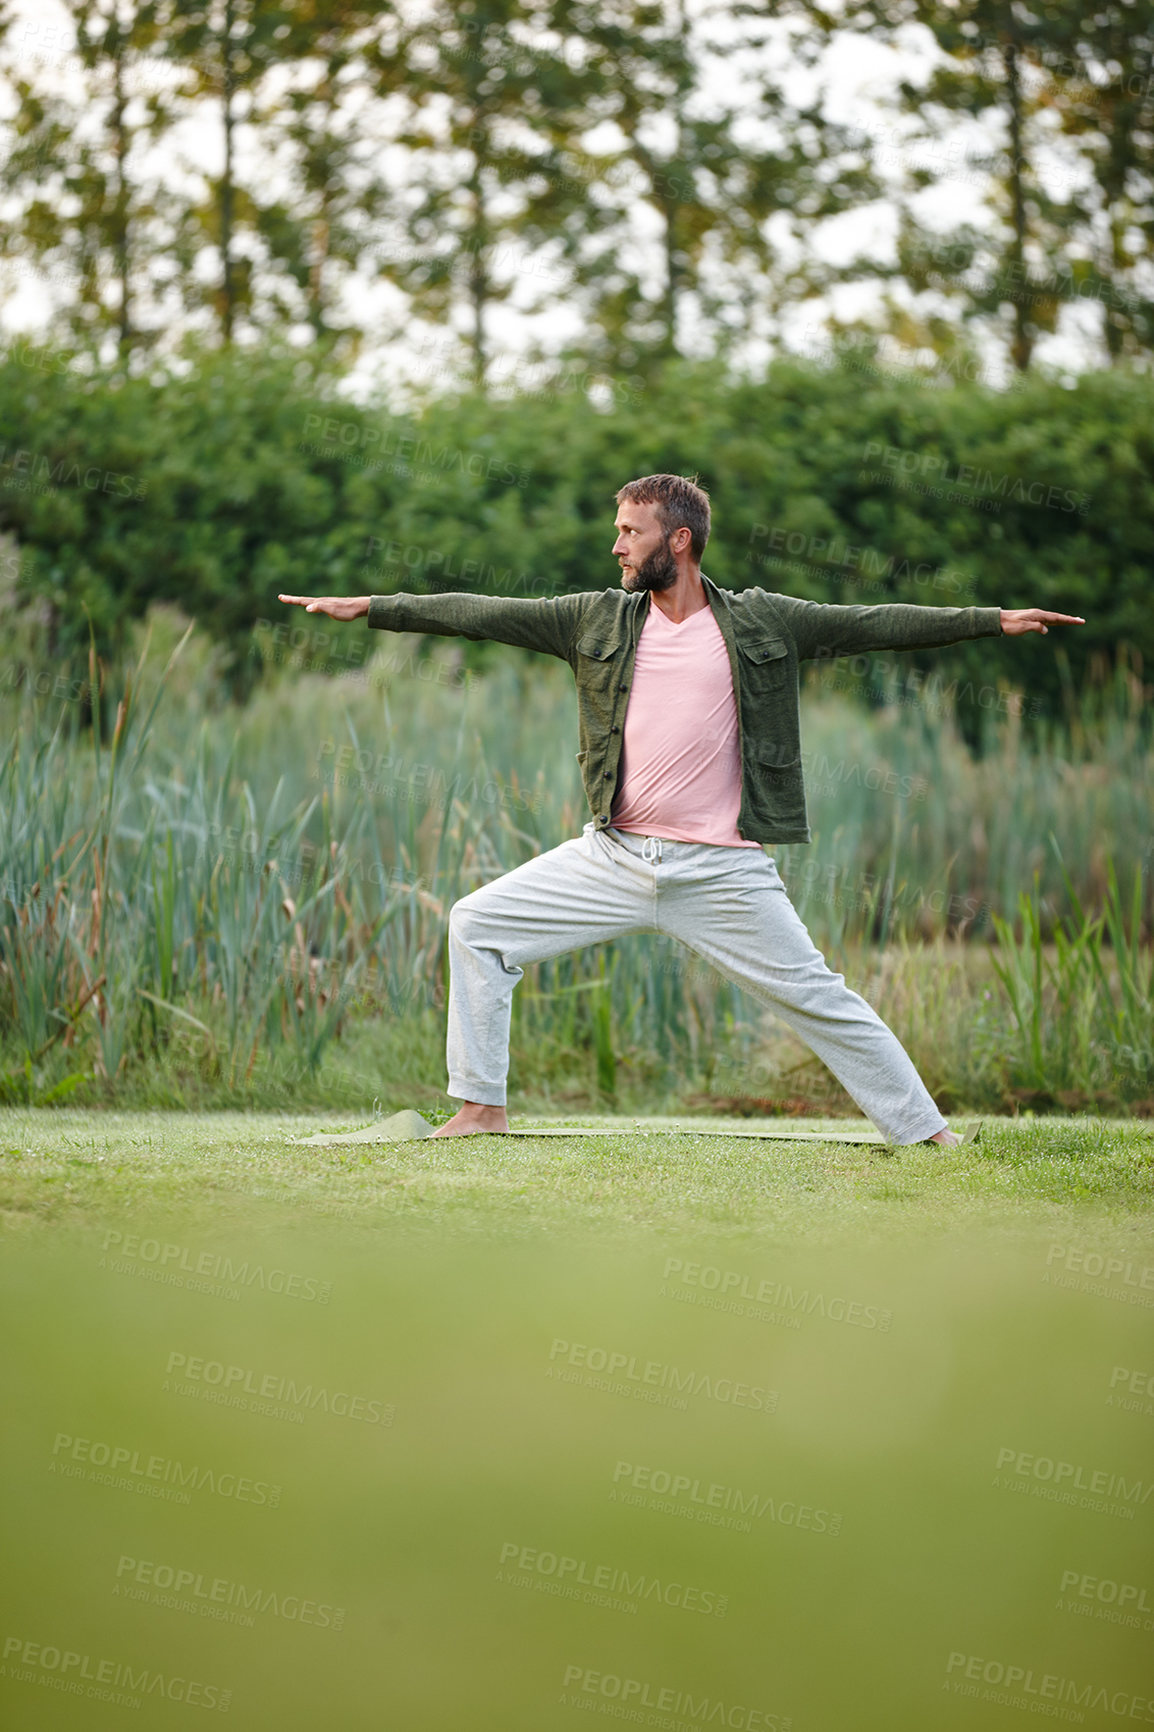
(1017, 620)
(343, 606)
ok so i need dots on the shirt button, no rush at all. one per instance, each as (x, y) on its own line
(621, 688)
(615, 729)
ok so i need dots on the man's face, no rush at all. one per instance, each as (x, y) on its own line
(642, 549)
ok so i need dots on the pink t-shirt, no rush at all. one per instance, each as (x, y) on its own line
(680, 761)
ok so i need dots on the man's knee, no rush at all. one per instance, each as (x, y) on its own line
(459, 915)
(465, 919)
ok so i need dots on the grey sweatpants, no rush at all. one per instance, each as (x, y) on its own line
(728, 905)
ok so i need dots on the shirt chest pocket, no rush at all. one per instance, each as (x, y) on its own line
(598, 669)
(598, 660)
(764, 663)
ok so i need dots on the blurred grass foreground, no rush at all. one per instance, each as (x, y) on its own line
(352, 1478)
(210, 904)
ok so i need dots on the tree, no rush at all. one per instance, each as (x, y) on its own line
(990, 74)
(323, 122)
(711, 171)
(226, 49)
(1099, 62)
(87, 212)
(488, 97)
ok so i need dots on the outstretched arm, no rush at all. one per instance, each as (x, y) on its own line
(536, 623)
(829, 629)
(822, 629)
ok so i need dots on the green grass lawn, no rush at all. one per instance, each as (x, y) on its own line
(66, 1167)
(491, 1434)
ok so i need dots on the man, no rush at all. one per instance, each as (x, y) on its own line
(690, 739)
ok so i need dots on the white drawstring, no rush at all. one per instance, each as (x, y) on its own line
(651, 849)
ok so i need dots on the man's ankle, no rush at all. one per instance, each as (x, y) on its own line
(472, 1117)
(481, 1113)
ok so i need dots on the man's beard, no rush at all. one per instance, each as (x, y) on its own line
(659, 571)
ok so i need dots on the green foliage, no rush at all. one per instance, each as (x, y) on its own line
(1075, 1023)
(117, 904)
(253, 474)
(198, 490)
(1085, 1016)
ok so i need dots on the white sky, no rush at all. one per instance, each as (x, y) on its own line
(857, 75)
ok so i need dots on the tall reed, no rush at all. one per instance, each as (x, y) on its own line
(232, 885)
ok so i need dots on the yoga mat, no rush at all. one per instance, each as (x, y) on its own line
(408, 1126)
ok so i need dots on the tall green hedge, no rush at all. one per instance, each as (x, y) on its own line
(220, 482)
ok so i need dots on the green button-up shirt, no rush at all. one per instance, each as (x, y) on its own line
(766, 634)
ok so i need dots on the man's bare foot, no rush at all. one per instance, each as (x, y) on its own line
(946, 1136)
(473, 1119)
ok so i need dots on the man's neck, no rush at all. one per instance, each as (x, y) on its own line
(685, 597)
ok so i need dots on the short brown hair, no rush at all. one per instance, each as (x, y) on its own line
(680, 503)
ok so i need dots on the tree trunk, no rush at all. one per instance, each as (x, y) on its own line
(671, 207)
(322, 227)
(226, 189)
(669, 339)
(478, 273)
(120, 206)
(320, 250)
(1022, 344)
(1113, 326)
